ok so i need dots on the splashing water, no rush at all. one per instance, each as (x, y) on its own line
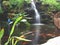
(37, 23)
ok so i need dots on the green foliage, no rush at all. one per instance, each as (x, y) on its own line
(28, 1)
(53, 4)
(18, 19)
(50, 2)
(6, 4)
(58, 7)
(1, 33)
(21, 39)
(18, 15)
(13, 27)
(18, 3)
(1, 11)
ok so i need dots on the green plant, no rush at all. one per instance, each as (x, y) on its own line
(53, 4)
(18, 3)
(18, 39)
(1, 33)
(18, 19)
(50, 2)
(28, 1)
(1, 11)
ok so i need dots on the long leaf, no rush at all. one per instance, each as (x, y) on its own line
(12, 30)
(21, 39)
(13, 27)
(1, 33)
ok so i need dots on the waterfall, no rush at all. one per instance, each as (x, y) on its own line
(37, 15)
(37, 23)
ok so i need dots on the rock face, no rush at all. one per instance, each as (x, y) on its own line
(53, 41)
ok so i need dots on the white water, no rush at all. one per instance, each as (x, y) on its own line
(37, 15)
(37, 23)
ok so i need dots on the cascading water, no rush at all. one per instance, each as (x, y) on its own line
(37, 23)
(37, 16)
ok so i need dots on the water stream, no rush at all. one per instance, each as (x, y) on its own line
(37, 15)
(37, 23)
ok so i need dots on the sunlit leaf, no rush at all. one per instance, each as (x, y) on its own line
(1, 33)
(21, 39)
(13, 41)
(13, 27)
